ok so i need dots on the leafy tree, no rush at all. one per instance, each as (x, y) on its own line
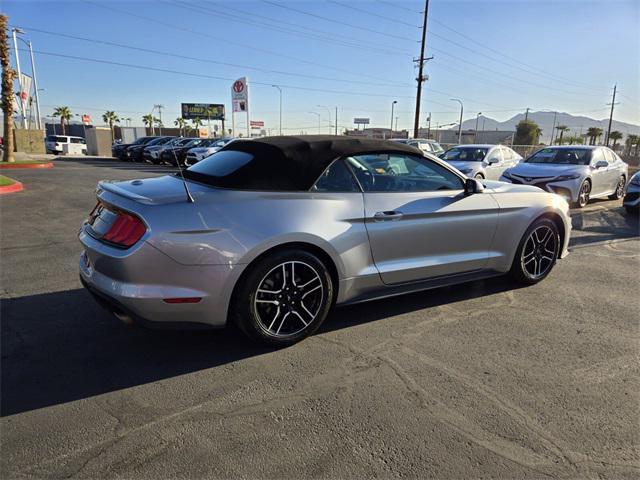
(615, 136)
(180, 123)
(65, 115)
(561, 129)
(8, 74)
(527, 133)
(109, 117)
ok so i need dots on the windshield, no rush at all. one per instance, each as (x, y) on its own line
(465, 154)
(193, 142)
(568, 156)
(437, 148)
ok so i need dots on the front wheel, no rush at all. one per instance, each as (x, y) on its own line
(283, 298)
(537, 252)
(619, 191)
(584, 194)
(478, 176)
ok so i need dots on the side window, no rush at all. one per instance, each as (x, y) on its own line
(395, 172)
(77, 140)
(506, 153)
(596, 156)
(609, 155)
(496, 153)
(336, 178)
(425, 147)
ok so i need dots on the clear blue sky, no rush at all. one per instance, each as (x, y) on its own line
(499, 57)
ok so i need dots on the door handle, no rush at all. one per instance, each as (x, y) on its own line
(387, 215)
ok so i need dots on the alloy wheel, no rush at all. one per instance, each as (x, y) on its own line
(583, 196)
(288, 299)
(620, 188)
(539, 252)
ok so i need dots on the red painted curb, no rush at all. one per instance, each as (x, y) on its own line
(4, 165)
(14, 187)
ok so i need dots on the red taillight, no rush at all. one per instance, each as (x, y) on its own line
(126, 230)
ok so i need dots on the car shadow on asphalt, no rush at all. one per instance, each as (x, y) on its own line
(603, 225)
(61, 347)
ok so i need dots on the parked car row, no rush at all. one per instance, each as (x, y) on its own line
(169, 150)
(577, 173)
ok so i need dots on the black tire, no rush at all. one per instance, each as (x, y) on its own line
(530, 254)
(583, 194)
(272, 310)
(619, 193)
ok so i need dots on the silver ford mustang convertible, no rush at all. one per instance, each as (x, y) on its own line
(271, 233)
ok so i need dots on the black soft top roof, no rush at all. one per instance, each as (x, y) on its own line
(295, 162)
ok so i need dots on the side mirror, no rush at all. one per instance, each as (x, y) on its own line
(492, 160)
(602, 164)
(471, 186)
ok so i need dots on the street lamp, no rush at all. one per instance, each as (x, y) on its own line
(461, 112)
(329, 111)
(15, 32)
(280, 90)
(392, 105)
(476, 130)
(316, 113)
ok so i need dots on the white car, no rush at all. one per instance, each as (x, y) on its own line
(424, 144)
(576, 172)
(206, 149)
(481, 161)
(632, 198)
(56, 144)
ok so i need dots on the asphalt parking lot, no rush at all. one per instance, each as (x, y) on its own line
(482, 380)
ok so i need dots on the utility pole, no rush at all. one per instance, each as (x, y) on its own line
(279, 90)
(421, 78)
(336, 132)
(613, 102)
(526, 114)
(553, 128)
(159, 107)
(475, 136)
(461, 112)
(429, 125)
(393, 104)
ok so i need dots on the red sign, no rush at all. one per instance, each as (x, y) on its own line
(238, 86)
(86, 119)
(256, 124)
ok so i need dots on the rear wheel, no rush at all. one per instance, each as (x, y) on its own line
(537, 252)
(584, 194)
(283, 298)
(619, 192)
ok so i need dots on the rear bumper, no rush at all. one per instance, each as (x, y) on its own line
(136, 284)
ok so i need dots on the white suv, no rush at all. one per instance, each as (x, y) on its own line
(55, 143)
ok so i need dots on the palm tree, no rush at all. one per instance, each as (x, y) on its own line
(65, 115)
(594, 133)
(8, 74)
(180, 123)
(631, 141)
(197, 123)
(148, 121)
(561, 129)
(110, 118)
(615, 136)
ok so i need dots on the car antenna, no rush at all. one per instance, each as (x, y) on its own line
(184, 182)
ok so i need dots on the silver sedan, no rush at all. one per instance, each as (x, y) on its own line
(481, 161)
(578, 173)
(269, 234)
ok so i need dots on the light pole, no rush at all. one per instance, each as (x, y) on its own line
(476, 130)
(14, 32)
(316, 113)
(280, 90)
(393, 104)
(461, 112)
(329, 112)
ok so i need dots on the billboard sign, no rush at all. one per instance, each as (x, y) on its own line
(361, 121)
(257, 124)
(240, 95)
(203, 111)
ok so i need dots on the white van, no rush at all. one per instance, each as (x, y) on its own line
(55, 144)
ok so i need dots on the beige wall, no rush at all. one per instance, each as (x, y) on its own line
(98, 141)
(29, 141)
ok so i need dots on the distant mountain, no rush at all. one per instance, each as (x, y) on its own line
(545, 121)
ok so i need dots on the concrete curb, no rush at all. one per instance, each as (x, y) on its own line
(9, 166)
(14, 187)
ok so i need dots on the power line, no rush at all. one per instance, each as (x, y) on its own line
(339, 22)
(205, 60)
(196, 32)
(324, 37)
(366, 12)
